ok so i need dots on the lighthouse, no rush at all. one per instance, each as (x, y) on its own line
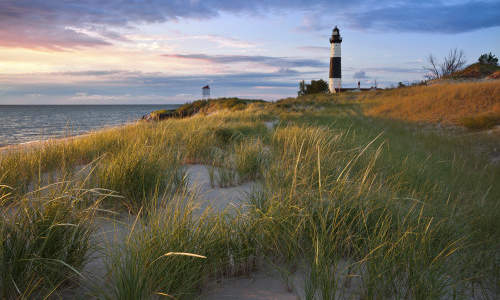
(335, 81)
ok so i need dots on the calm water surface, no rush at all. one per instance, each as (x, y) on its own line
(28, 123)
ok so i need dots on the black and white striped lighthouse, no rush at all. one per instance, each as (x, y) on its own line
(335, 82)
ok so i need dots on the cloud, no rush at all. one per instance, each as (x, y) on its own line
(360, 75)
(224, 41)
(429, 17)
(89, 73)
(394, 70)
(42, 38)
(314, 49)
(281, 62)
(59, 25)
(313, 21)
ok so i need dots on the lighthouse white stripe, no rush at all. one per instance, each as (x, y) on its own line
(335, 50)
(334, 84)
(337, 83)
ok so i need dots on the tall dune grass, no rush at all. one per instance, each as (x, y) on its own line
(138, 172)
(328, 206)
(174, 250)
(451, 103)
(45, 239)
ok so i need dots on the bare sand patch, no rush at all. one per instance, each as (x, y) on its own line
(110, 234)
(258, 285)
(271, 124)
(217, 198)
(269, 284)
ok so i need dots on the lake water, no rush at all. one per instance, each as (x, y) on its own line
(27, 123)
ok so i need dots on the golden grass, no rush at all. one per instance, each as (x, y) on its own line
(444, 103)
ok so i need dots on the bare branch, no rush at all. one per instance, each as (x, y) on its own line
(432, 69)
(455, 61)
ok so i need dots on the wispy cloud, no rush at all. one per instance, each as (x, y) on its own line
(314, 49)
(222, 41)
(394, 70)
(280, 62)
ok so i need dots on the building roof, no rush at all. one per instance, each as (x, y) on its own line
(206, 87)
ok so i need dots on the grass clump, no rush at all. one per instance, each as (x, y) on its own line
(174, 253)
(328, 205)
(221, 170)
(224, 136)
(481, 121)
(45, 240)
(137, 172)
(250, 159)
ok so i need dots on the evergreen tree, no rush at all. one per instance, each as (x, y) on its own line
(488, 59)
(302, 88)
(315, 87)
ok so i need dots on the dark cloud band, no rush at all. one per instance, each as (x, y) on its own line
(51, 23)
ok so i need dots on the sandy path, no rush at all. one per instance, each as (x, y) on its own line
(260, 285)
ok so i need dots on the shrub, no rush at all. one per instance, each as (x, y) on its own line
(315, 87)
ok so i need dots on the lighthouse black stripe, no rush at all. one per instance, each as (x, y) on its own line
(335, 68)
(331, 68)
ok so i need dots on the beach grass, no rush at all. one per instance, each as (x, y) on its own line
(360, 206)
(173, 251)
(45, 239)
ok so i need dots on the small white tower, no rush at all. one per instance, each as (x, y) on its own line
(335, 78)
(205, 92)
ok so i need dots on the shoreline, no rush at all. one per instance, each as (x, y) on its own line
(40, 143)
(37, 143)
(60, 124)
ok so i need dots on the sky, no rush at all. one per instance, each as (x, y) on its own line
(164, 51)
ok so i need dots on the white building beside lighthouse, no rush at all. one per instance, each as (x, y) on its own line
(335, 78)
